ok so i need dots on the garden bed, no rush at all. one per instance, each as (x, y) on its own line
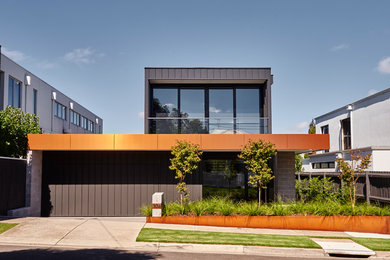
(370, 224)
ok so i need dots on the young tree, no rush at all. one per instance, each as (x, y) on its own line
(186, 157)
(256, 156)
(14, 127)
(350, 172)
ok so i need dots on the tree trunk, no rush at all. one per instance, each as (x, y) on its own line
(259, 194)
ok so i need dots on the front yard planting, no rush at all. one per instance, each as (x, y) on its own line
(224, 207)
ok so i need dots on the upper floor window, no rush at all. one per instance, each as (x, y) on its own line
(325, 129)
(74, 118)
(59, 110)
(90, 126)
(201, 108)
(346, 133)
(14, 92)
(84, 122)
(35, 101)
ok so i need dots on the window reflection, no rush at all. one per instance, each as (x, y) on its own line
(165, 103)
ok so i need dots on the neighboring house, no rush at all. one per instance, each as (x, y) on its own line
(114, 175)
(362, 125)
(57, 113)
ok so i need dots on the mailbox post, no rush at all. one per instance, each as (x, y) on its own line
(157, 204)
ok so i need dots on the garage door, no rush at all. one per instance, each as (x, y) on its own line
(107, 183)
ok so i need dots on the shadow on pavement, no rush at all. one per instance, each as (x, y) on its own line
(84, 254)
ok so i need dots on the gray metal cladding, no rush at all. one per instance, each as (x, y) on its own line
(208, 73)
(12, 184)
(107, 183)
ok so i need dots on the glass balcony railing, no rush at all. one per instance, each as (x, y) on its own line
(211, 125)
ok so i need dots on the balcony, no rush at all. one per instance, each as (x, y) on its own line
(210, 125)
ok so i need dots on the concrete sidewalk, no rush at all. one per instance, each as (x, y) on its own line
(121, 233)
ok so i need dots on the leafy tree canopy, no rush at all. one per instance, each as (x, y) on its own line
(14, 127)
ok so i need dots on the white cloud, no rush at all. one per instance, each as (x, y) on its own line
(83, 56)
(372, 92)
(340, 47)
(384, 66)
(302, 126)
(141, 115)
(47, 65)
(14, 55)
(214, 110)
(169, 105)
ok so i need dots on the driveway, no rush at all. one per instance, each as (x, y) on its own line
(86, 232)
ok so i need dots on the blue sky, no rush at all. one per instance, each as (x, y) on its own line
(323, 54)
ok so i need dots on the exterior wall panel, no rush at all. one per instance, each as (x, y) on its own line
(107, 183)
(12, 184)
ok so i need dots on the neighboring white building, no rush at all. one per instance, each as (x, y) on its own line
(363, 125)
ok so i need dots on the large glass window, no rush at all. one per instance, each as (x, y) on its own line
(221, 111)
(195, 108)
(59, 110)
(165, 103)
(192, 103)
(192, 111)
(247, 111)
(14, 90)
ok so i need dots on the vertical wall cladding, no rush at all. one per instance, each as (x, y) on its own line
(107, 183)
(12, 184)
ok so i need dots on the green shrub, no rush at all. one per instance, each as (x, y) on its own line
(249, 209)
(199, 208)
(226, 207)
(147, 210)
(316, 189)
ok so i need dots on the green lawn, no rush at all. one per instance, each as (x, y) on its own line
(202, 237)
(376, 244)
(5, 226)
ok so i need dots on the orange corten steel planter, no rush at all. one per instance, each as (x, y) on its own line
(370, 224)
(164, 142)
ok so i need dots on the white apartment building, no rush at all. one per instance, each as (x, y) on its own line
(363, 125)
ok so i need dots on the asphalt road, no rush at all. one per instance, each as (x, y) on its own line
(11, 252)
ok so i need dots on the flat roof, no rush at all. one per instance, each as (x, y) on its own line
(164, 142)
(267, 68)
(354, 103)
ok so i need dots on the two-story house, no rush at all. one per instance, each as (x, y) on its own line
(219, 109)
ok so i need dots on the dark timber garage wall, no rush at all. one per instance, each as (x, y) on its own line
(107, 183)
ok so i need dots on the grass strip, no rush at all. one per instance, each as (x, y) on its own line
(376, 244)
(204, 237)
(5, 226)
